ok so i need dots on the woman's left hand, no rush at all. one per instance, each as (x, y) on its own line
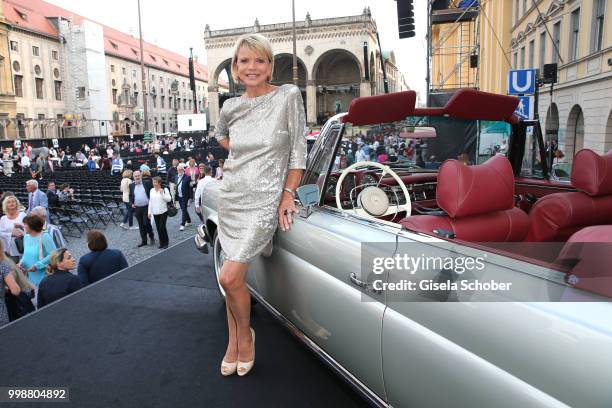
(286, 209)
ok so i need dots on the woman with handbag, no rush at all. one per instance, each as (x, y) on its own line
(8, 300)
(37, 249)
(11, 227)
(159, 200)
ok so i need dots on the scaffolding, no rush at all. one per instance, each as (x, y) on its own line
(453, 46)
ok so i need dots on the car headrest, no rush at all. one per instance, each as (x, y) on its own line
(469, 190)
(592, 173)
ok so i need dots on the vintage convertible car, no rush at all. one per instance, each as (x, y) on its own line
(546, 341)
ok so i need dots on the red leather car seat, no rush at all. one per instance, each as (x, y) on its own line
(479, 201)
(555, 217)
(589, 254)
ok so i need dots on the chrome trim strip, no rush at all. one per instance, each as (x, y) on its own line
(371, 397)
(563, 189)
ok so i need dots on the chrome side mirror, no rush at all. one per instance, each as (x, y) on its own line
(308, 195)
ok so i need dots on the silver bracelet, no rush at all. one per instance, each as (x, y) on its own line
(290, 191)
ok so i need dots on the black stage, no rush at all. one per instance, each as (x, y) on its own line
(153, 335)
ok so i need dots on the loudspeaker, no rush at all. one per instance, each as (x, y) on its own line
(550, 74)
(473, 61)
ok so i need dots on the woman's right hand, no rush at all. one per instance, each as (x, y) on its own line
(17, 232)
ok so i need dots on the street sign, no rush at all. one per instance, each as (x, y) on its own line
(521, 81)
(147, 136)
(524, 110)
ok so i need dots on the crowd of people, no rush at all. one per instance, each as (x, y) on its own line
(151, 200)
(37, 267)
(383, 149)
(43, 160)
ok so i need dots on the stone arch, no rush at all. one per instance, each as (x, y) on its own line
(608, 134)
(337, 74)
(235, 89)
(574, 132)
(551, 127)
(283, 70)
(335, 55)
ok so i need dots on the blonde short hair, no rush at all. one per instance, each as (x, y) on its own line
(127, 174)
(257, 43)
(5, 203)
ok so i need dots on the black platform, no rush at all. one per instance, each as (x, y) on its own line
(153, 336)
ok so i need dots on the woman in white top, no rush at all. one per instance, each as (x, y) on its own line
(11, 225)
(128, 217)
(158, 208)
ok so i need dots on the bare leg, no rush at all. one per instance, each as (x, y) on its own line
(231, 353)
(238, 301)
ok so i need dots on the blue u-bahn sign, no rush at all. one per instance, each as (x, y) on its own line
(521, 81)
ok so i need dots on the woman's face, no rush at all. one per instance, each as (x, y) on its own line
(156, 184)
(67, 263)
(252, 68)
(11, 204)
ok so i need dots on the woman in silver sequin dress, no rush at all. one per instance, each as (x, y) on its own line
(264, 131)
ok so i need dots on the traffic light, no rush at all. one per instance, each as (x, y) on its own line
(405, 18)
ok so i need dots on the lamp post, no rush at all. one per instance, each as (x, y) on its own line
(142, 73)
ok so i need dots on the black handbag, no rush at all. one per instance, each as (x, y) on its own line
(19, 244)
(20, 305)
(172, 210)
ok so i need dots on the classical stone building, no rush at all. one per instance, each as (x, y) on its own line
(8, 104)
(66, 75)
(577, 36)
(338, 60)
(517, 34)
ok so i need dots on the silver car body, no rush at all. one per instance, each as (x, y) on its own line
(426, 354)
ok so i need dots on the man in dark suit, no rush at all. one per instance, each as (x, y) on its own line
(172, 177)
(183, 194)
(139, 200)
(52, 197)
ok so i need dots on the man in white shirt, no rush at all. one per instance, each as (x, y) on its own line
(197, 199)
(25, 163)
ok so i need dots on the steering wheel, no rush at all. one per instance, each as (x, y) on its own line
(373, 200)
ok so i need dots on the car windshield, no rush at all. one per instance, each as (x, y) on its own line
(421, 143)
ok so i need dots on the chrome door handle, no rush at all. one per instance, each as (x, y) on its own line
(365, 285)
(353, 277)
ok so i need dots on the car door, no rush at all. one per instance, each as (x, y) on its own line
(308, 280)
(498, 352)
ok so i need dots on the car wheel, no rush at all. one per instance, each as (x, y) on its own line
(218, 259)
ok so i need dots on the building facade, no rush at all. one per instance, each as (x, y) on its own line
(70, 76)
(577, 36)
(518, 34)
(338, 60)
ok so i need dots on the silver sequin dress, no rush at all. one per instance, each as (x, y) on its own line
(267, 137)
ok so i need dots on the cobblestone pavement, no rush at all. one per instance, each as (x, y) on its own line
(127, 240)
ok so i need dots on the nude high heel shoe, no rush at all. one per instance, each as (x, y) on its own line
(228, 368)
(245, 367)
